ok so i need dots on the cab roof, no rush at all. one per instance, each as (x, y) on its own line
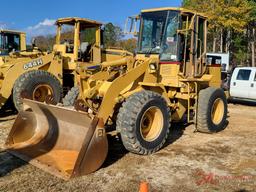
(182, 10)
(85, 23)
(11, 31)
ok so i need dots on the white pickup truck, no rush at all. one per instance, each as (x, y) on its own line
(243, 83)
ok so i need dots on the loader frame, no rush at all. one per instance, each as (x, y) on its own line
(168, 80)
(179, 82)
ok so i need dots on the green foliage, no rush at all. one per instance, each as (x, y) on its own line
(112, 34)
(227, 14)
(253, 11)
(231, 24)
(240, 45)
(112, 37)
(128, 44)
(186, 3)
(88, 35)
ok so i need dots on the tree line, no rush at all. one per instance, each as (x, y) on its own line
(231, 27)
(112, 37)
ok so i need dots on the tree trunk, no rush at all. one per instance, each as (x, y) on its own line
(253, 48)
(221, 41)
(228, 41)
(214, 45)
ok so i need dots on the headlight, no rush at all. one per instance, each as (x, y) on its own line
(152, 66)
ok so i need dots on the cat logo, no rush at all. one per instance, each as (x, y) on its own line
(33, 64)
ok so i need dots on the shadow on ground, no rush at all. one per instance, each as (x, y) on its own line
(7, 110)
(8, 163)
(7, 115)
(176, 132)
(241, 102)
(116, 150)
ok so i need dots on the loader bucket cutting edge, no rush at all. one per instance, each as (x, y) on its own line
(63, 142)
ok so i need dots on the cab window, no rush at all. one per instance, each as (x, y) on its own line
(243, 75)
(16, 42)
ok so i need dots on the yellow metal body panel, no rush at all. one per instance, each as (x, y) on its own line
(23, 42)
(84, 21)
(216, 77)
(114, 54)
(109, 99)
(168, 74)
(182, 10)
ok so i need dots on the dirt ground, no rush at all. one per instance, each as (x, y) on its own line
(190, 161)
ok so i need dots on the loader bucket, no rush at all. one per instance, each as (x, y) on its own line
(63, 142)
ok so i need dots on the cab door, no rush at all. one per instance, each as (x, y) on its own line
(240, 83)
(252, 89)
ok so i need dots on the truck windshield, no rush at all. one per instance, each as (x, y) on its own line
(159, 33)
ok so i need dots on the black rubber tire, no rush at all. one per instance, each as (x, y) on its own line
(70, 98)
(206, 99)
(128, 122)
(29, 80)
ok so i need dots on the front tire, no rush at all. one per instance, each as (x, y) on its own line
(144, 121)
(37, 84)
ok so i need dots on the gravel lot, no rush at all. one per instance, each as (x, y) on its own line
(225, 161)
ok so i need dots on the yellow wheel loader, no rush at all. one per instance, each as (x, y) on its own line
(138, 97)
(11, 41)
(42, 76)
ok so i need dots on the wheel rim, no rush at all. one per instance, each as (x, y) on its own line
(217, 111)
(41, 92)
(151, 124)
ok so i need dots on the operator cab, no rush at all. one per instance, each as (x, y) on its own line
(11, 41)
(159, 34)
(78, 39)
(176, 36)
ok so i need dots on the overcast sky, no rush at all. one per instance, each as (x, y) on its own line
(36, 17)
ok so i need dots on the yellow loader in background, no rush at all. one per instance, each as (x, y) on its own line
(11, 41)
(44, 76)
(138, 98)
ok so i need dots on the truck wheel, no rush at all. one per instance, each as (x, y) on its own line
(70, 98)
(37, 85)
(144, 121)
(212, 110)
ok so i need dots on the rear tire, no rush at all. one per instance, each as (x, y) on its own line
(71, 97)
(212, 110)
(37, 84)
(144, 121)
